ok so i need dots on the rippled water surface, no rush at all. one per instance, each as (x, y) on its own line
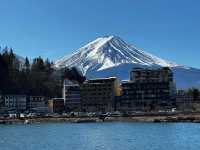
(101, 136)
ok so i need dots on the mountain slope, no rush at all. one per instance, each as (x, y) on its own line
(111, 56)
(107, 52)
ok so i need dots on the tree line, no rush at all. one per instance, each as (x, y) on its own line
(38, 77)
(194, 92)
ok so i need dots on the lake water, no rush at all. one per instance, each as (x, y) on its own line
(101, 136)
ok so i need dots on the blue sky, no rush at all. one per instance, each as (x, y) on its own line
(52, 28)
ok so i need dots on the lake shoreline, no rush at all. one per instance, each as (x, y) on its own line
(193, 118)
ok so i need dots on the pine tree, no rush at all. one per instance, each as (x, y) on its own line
(3, 74)
(26, 65)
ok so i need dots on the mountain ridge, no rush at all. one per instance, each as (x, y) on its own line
(103, 49)
(108, 55)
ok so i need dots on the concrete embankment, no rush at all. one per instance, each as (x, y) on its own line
(49, 119)
(193, 117)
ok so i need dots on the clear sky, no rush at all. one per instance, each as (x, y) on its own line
(169, 29)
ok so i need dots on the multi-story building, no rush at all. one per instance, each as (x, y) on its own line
(36, 101)
(183, 98)
(37, 104)
(2, 104)
(147, 88)
(16, 102)
(71, 95)
(144, 75)
(56, 105)
(1, 101)
(98, 95)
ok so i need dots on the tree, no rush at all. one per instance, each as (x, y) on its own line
(26, 65)
(3, 74)
(38, 78)
(73, 74)
(194, 92)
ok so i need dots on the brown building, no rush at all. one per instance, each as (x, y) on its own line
(56, 105)
(147, 89)
(98, 95)
(144, 75)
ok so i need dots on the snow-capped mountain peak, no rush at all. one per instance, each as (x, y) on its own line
(109, 51)
(111, 56)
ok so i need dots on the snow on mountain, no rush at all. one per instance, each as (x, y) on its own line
(20, 58)
(109, 51)
(111, 56)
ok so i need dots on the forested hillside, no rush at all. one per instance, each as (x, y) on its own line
(35, 78)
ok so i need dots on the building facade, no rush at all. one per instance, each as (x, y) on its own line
(2, 104)
(56, 105)
(1, 101)
(16, 102)
(98, 95)
(36, 101)
(183, 98)
(38, 104)
(71, 95)
(147, 89)
(144, 75)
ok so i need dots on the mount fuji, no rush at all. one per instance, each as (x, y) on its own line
(111, 56)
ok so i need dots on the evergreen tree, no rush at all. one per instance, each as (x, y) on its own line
(38, 78)
(26, 65)
(3, 74)
(194, 92)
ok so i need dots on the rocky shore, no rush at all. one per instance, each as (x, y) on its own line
(181, 117)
